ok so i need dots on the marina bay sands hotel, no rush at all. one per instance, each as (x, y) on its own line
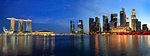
(21, 25)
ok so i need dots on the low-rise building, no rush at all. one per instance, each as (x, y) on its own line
(45, 33)
(120, 29)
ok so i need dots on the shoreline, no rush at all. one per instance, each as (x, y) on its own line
(67, 34)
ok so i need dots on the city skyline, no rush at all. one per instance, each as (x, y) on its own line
(94, 25)
(52, 12)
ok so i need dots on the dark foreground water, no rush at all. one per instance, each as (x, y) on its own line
(115, 45)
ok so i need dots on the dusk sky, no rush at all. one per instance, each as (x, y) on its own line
(55, 15)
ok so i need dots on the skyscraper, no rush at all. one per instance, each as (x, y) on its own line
(20, 25)
(127, 22)
(97, 25)
(13, 24)
(80, 27)
(113, 21)
(144, 27)
(139, 26)
(134, 20)
(105, 24)
(91, 25)
(72, 27)
(134, 24)
(29, 25)
(94, 26)
(133, 16)
(122, 17)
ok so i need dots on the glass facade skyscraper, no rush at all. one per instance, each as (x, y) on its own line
(97, 25)
(105, 24)
(144, 27)
(72, 27)
(139, 26)
(113, 21)
(122, 18)
(91, 25)
(80, 27)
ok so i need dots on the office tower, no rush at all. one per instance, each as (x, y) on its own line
(105, 24)
(13, 24)
(134, 20)
(127, 22)
(80, 27)
(29, 25)
(134, 24)
(20, 25)
(72, 26)
(144, 27)
(139, 26)
(91, 25)
(133, 16)
(97, 25)
(113, 21)
(122, 17)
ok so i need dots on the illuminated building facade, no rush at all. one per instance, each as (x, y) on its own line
(12, 24)
(122, 18)
(134, 24)
(127, 22)
(134, 20)
(144, 27)
(20, 25)
(29, 25)
(80, 27)
(105, 24)
(72, 26)
(46, 33)
(113, 21)
(121, 29)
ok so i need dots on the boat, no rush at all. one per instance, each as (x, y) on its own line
(6, 31)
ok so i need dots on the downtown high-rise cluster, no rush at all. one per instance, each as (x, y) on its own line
(94, 26)
(113, 26)
(79, 27)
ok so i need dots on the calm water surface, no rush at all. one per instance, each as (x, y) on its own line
(114, 45)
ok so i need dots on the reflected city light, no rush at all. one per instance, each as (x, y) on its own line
(97, 45)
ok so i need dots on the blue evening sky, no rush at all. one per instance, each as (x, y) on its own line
(55, 15)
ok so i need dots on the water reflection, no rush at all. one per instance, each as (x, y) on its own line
(118, 45)
(12, 45)
(110, 45)
(43, 46)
